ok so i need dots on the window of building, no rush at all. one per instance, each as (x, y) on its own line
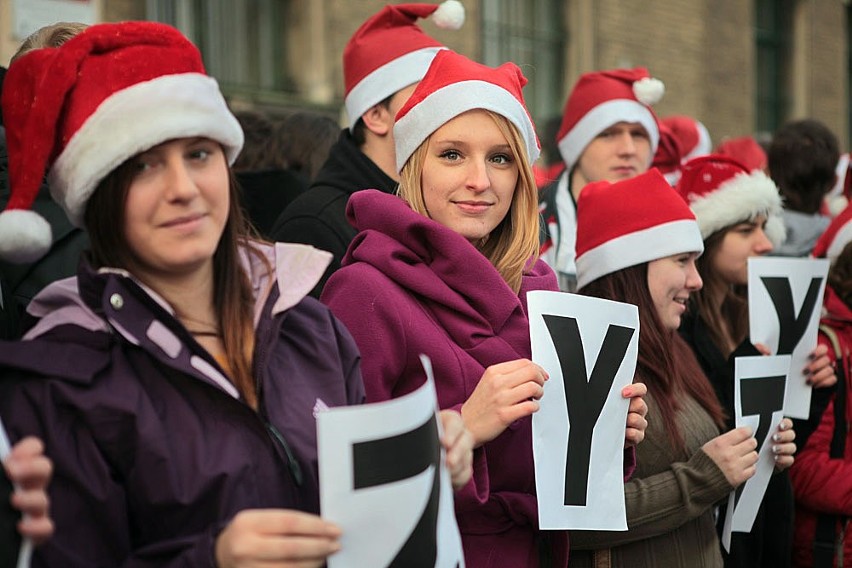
(773, 38)
(531, 34)
(240, 40)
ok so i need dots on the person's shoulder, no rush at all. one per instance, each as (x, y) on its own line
(318, 201)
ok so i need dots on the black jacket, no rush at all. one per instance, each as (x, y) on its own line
(318, 216)
(769, 544)
(264, 194)
(20, 282)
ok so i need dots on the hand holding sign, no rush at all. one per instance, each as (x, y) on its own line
(506, 392)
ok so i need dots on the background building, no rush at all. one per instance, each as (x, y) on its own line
(739, 66)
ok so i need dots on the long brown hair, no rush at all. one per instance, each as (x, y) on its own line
(722, 307)
(665, 364)
(512, 247)
(104, 219)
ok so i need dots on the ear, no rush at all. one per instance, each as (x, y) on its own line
(378, 119)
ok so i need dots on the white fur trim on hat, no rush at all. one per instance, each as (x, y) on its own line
(737, 200)
(447, 103)
(602, 117)
(25, 236)
(449, 15)
(136, 119)
(659, 241)
(387, 80)
(839, 242)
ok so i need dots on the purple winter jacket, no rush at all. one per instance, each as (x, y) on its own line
(154, 451)
(409, 285)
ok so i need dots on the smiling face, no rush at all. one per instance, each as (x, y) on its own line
(740, 242)
(469, 175)
(670, 281)
(619, 152)
(176, 207)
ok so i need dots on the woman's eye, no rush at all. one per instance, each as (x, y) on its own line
(200, 154)
(450, 155)
(501, 159)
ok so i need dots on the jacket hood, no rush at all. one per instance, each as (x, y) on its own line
(434, 262)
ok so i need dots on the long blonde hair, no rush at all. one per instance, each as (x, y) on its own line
(512, 247)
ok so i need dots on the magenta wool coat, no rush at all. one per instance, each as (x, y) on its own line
(408, 286)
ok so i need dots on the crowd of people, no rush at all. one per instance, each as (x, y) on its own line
(168, 338)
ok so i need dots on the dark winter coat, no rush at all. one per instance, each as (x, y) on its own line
(769, 544)
(154, 451)
(318, 217)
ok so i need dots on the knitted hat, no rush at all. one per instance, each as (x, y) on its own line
(604, 98)
(390, 52)
(629, 222)
(667, 159)
(722, 192)
(836, 236)
(453, 85)
(84, 108)
(693, 136)
(745, 150)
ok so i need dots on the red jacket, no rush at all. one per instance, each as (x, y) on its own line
(822, 484)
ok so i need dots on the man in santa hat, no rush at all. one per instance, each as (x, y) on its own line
(608, 132)
(382, 63)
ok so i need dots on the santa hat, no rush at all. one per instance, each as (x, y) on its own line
(692, 134)
(629, 222)
(604, 98)
(84, 108)
(721, 192)
(667, 159)
(745, 150)
(453, 85)
(390, 52)
(836, 236)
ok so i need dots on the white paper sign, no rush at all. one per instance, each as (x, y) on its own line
(26, 551)
(589, 347)
(784, 305)
(759, 387)
(384, 483)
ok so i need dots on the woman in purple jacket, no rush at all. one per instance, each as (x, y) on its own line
(445, 271)
(175, 380)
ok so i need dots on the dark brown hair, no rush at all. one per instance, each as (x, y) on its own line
(104, 219)
(725, 314)
(666, 364)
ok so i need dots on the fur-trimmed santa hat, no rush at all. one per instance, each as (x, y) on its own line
(721, 192)
(745, 150)
(390, 52)
(836, 236)
(603, 98)
(453, 85)
(668, 157)
(81, 110)
(629, 222)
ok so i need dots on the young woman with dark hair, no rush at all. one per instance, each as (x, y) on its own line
(637, 242)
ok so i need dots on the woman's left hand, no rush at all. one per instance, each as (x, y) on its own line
(820, 372)
(782, 445)
(30, 471)
(636, 422)
(458, 443)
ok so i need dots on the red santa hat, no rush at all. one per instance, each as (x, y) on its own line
(390, 52)
(692, 135)
(629, 222)
(453, 85)
(722, 192)
(81, 110)
(836, 236)
(668, 159)
(604, 98)
(745, 150)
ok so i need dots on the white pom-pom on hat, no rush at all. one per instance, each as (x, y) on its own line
(649, 90)
(25, 236)
(449, 15)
